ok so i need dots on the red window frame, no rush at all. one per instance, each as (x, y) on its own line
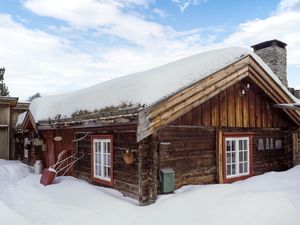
(237, 135)
(98, 180)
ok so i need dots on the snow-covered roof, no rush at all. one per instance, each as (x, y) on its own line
(20, 119)
(143, 88)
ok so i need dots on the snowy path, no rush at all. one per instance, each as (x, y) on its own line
(273, 198)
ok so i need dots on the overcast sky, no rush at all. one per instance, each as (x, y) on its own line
(57, 46)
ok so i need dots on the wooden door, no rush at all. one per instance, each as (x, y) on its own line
(296, 147)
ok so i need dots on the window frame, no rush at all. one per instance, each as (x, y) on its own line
(99, 179)
(237, 136)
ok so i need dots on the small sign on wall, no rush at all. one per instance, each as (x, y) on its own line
(278, 144)
(268, 144)
(260, 145)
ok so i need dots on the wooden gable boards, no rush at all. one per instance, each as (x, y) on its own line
(176, 105)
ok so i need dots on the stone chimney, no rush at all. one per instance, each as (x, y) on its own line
(273, 53)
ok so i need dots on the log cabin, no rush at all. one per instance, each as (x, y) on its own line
(210, 118)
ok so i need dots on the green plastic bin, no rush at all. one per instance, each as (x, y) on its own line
(168, 180)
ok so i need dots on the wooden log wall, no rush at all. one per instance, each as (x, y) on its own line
(126, 177)
(230, 109)
(191, 152)
(272, 159)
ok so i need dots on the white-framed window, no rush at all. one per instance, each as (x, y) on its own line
(102, 159)
(237, 156)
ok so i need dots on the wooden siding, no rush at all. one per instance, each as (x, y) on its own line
(191, 153)
(4, 131)
(126, 177)
(4, 115)
(230, 109)
(53, 148)
(4, 137)
(296, 148)
(272, 159)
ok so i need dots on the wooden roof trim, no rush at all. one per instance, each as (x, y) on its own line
(29, 119)
(272, 88)
(12, 101)
(258, 82)
(171, 108)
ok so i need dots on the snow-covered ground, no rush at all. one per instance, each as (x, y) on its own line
(272, 198)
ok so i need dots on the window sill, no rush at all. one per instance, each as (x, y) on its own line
(103, 182)
(237, 178)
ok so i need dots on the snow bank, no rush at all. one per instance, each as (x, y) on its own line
(13, 170)
(143, 88)
(269, 199)
(10, 217)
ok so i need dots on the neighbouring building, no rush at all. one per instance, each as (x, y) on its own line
(9, 112)
(211, 118)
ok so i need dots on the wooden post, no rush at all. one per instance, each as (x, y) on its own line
(148, 170)
(296, 155)
(219, 155)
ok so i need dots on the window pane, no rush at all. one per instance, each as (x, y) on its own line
(99, 147)
(245, 167)
(241, 168)
(108, 158)
(245, 145)
(233, 157)
(108, 174)
(228, 158)
(246, 156)
(108, 147)
(105, 147)
(228, 169)
(227, 146)
(233, 169)
(97, 170)
(240, 144)
(233, 145)
(241, 156)
(99, 158)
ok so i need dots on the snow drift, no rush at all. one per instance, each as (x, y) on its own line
(269, 199)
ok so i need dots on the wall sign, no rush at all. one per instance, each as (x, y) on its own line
(260, 145)
(278, 144)
(268, 144)
(58, 138)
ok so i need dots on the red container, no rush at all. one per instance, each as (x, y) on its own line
(48, 177)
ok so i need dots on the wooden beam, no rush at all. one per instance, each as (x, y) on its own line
(219, 155)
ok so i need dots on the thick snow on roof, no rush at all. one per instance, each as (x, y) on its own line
(21, 118)
(144, 88)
